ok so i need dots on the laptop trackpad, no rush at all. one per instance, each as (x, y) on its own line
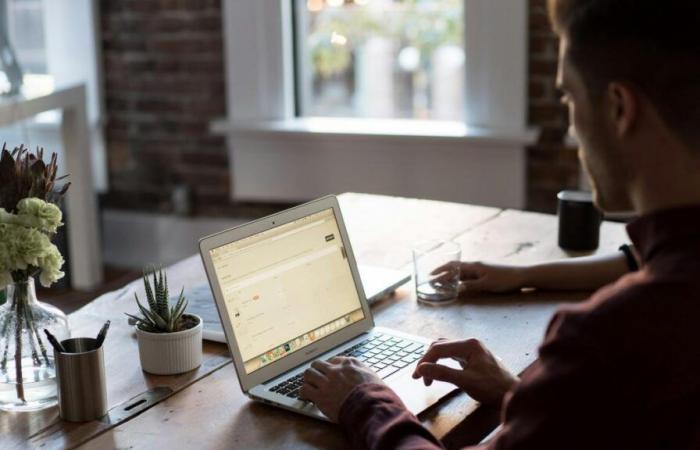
(416, 396)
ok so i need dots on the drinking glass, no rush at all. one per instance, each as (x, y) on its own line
(436, 271)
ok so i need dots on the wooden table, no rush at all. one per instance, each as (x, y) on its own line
(206, 408)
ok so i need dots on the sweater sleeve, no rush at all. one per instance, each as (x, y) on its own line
(375, 418)
(569, 398)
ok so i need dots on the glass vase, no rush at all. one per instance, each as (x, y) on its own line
(27, 370)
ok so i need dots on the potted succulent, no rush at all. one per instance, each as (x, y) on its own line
(170, 341)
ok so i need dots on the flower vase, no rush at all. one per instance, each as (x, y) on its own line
(27, 370)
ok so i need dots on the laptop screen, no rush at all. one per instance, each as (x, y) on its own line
(286, 287)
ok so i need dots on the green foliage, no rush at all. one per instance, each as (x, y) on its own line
(425, 25)
(159, 316)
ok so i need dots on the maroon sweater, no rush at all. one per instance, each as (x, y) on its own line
(619, 371)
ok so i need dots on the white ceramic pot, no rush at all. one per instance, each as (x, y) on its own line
(171, 353)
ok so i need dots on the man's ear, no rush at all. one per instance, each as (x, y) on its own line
(623, 108)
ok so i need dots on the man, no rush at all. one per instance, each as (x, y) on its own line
(621, 370)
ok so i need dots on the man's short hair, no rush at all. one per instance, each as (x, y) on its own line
(652, 44)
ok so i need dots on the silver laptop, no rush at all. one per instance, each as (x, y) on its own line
(380, 282)
(288, 292)
(377, 282)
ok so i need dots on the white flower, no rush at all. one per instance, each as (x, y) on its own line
(6, 217)
(30, 245)
(51, 267)
(22, 248)
(47, 215)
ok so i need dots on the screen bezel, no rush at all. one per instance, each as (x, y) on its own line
(272, 370)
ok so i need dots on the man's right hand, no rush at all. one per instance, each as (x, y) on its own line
(482, 376)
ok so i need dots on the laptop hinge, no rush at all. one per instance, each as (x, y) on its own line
(265, 383)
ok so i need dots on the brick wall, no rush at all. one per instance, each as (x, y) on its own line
(551, 166)
(164, 79)
(164, 82)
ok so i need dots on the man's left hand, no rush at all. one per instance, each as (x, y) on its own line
(328, 384)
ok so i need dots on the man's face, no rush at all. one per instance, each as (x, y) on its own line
(590, 123)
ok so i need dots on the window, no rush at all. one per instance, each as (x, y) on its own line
(278, 83)
(25, 28)
(396, 139)
(22, 23)
(380, 58)
(56, 44)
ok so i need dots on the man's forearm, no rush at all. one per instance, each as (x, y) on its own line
(584, 273)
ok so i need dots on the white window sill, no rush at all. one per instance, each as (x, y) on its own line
(380, 129)
(50, 121)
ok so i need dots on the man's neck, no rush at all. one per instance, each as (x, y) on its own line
(670, 184)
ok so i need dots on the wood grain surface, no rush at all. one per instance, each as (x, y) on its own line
(125, 379)
(208, 409)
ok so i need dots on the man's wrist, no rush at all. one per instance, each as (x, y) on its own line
(353, 408)
(350, 405)
(373, 416)
(521, 276)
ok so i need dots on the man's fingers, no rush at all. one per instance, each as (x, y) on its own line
(445, 278)
(439, 372)
(464, 270)
(314, 377)
(440, 269)
(452, 266)
(309, 392)
(470, 271)
(449, 349)
(355, 361)
(321, 366)
(344, 361)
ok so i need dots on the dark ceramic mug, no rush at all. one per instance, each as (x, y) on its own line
(579, 221)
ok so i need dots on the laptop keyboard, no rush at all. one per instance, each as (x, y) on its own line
(384, 353)
(290, 387)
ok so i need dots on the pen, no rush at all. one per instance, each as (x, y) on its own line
(102, 334)
(52, 339)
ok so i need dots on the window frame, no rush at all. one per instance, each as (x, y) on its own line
(259, 48)
(74, 30)
(261, 85)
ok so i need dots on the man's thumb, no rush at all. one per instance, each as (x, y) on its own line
(472, 286)
(439, 372)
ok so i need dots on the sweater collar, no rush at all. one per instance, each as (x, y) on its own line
(653, 231)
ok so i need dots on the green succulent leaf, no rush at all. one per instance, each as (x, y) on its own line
(136, 318)
(159, 316)
(178, 311)
(149, 293)
(153, 317)
(161, 323)
(147, 315)
(181, 299)
(166, 296)
(140, 322)
(158, 321)
(161, 301)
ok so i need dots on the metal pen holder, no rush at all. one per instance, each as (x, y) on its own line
(80, 371)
